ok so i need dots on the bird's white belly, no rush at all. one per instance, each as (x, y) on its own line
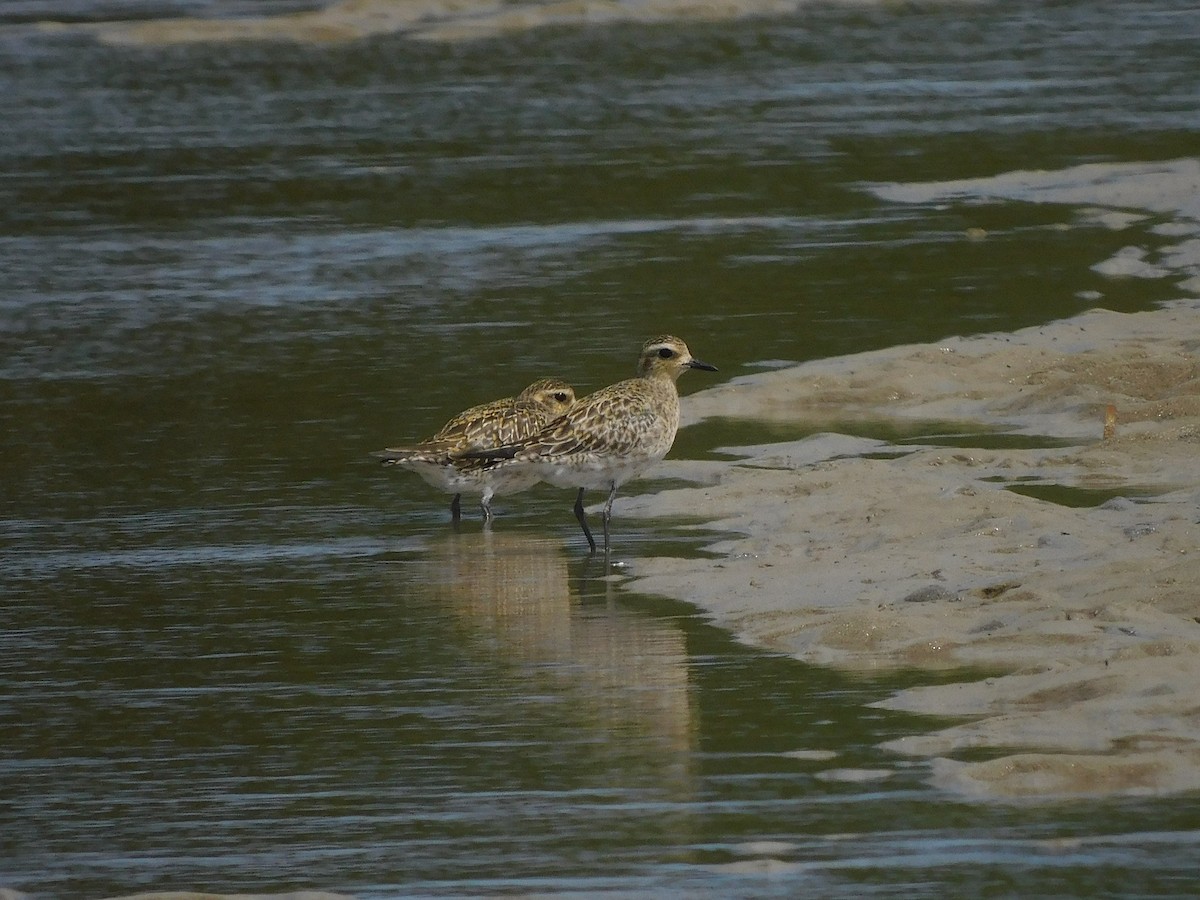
(505, 480)
(596, 473)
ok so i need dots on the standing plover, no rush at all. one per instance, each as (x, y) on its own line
(610, 436)
(439, 459)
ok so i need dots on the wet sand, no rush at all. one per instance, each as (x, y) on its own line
(424, 20)
(1076, 603)
(10, 894)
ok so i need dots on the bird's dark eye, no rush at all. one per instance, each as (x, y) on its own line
(665, 352)
(560, 397)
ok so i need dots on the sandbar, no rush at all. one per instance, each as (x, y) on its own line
(1043, 539)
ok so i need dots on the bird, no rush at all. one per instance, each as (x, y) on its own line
(608, 437)
(438, 458)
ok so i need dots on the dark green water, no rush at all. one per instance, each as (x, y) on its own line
(237, 656)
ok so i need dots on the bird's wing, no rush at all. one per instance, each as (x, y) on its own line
(605, 422)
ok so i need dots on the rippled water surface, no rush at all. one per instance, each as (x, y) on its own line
(237, 656)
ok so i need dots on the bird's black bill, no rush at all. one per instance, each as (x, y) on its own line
(697, 364)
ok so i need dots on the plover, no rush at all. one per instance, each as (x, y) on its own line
(440, 459)
(608, 437)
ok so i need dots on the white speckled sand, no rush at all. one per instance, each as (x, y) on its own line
(845, 555)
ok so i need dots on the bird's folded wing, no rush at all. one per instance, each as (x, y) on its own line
(570, 436)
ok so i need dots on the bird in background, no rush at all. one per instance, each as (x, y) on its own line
(440, 460)
(608, 437)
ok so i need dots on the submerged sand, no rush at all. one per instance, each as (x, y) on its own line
(1081, 602)
(425, 20)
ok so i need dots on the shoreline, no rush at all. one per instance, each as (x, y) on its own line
(435, 21)
(1065, 562)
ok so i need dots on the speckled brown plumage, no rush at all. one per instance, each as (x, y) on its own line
(609, 437)
(439, 459)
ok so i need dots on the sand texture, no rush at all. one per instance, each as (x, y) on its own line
(443, 21)
(1064, 566)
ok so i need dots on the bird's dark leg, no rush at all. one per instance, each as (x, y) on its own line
(456, 509)
(608, 515)
(582, 517)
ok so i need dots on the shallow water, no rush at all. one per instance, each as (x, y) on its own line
(236, 655)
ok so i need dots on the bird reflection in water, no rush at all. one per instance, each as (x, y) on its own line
(620, 673)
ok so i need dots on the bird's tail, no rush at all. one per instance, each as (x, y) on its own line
(397, 455)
